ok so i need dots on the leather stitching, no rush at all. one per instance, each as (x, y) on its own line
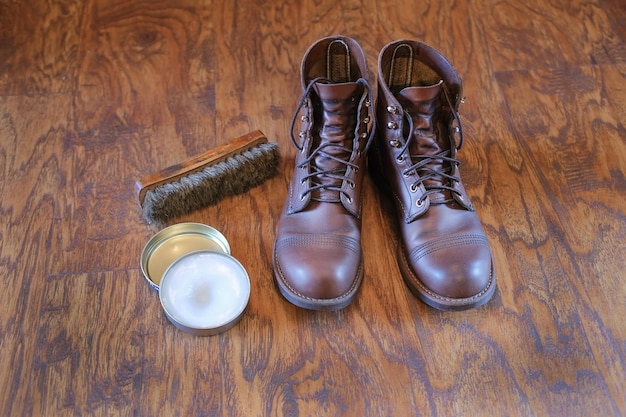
(320, 240)
(445, 243)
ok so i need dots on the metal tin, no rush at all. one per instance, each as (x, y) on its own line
(205, 292)
(175, 241)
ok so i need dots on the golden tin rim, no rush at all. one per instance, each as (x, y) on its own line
(175, 241)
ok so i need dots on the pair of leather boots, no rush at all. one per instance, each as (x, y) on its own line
(409, 141)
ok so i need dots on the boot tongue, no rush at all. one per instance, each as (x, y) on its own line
(422, 104)
(336, 128)
(338, 91)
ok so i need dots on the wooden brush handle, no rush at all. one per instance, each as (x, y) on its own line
(197, 163)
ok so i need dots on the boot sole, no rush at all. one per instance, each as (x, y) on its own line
(320, 304)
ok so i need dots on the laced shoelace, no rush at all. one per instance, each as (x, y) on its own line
(338, 173)
(420, 166)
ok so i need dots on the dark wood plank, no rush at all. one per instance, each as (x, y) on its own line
(541, 34)
(38, 46)
(96, 95)
(577, 151)
(147, 68)
(33, 175)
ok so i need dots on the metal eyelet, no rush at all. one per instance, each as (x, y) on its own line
(305, 118)
(395, 143)
(366, 120)
(413, 188)
(351, 184)
(392, 109)
(349, 199)
(302, 197)
(420, 202)
(392, 125)
(400, 159)
(363, 135)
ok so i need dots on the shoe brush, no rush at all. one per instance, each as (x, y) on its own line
(229, 169)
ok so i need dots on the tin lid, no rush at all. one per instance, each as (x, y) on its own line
(205, 292)
(175, 241)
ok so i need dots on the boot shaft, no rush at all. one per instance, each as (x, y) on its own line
(335, 126)
(415, 151)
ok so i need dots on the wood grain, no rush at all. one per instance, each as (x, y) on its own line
(96, 94)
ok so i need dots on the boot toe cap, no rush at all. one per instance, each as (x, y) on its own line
(318, 275)
(453, 273)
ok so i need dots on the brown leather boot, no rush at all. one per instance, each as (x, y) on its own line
(318, 262)
(445, 258)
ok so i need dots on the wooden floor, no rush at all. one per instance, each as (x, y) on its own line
(95, 94)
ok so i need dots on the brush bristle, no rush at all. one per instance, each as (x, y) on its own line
(204, 188)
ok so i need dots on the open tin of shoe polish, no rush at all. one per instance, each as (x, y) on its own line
(203, 289)
(205, 292)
